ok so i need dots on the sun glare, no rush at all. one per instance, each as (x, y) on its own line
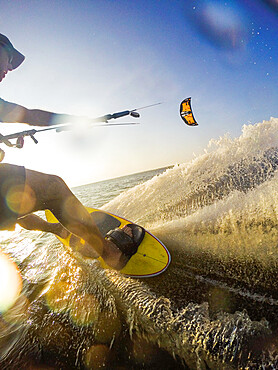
(11, 282)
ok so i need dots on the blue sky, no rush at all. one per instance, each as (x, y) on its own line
(96, 57)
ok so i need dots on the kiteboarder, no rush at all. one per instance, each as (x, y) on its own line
(24, 191)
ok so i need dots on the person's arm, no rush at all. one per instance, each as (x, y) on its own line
(14, 113)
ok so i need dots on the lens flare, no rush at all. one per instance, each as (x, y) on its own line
(225, 25)
(11, 282)
(21, 199)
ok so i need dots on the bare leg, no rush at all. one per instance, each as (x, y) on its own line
(44, 191)
(34, 222)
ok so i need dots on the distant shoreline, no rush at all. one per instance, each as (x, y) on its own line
(131, 174)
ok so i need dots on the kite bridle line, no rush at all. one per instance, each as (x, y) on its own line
(59, 128)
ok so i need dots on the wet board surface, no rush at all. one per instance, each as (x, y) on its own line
(152, 257)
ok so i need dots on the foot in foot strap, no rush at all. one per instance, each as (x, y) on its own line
(127, 239)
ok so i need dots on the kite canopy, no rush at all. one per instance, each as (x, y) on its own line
(186, 112)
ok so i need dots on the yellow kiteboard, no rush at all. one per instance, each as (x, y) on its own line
(152, 257)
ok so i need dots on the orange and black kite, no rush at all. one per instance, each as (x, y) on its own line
(186, 112)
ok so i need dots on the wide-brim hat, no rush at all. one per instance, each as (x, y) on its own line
(16, 57)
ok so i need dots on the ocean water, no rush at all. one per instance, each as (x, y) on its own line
(214, 308)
